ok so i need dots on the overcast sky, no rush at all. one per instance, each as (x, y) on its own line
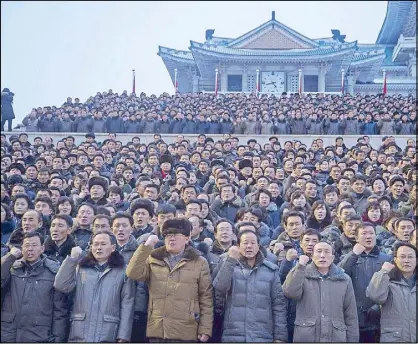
(52, 50)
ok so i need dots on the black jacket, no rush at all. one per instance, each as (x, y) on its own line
(58, 253)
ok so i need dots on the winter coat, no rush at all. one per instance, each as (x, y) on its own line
(7, 228)
(103, 301)
(281, 127)
(386, 127)
(141, 293)
(32, 310)
(180, 300)
(48, 125)
(273, 215)
(225, 127)
(298, 126)
(31, 124)
(251, 127)
(213, 127)
(201, 127)
(6, 106)
(190, 127)
(314, 127)
(399, 307)
(331, 234)
(368, 128)
(81, 237)
(99, 125)
(162, 127)
(61, 252)
(360, 200)
(350, 126)
(319, 317)
(361, 269)
(228, 209)
(255, 307)
(114, 125)
(132, 126)
(238, 128)
(176, 126)
(342, 246)
(333, 127)
(65, 126)
(266, 128)
(83, 124)
(147, 126)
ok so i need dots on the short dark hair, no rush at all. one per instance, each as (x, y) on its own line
(67, 218)
(215, 227)
(33, 234)
(246, 231)
(116, 190)
(311, 231)
(293, 213)
(122, 215)
(364, 225)
(89, 205)
(242, 224)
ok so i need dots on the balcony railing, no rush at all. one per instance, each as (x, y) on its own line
(404, 43)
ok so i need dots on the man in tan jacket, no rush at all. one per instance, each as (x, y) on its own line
(180, 286)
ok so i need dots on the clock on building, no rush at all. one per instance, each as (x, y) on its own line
(273, 82)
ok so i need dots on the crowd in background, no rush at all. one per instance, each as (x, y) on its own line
(203, 113)
(207, 240)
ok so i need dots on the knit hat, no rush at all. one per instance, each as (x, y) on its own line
(166, 158)
(176, 226)
(97, 180)
(245, 163)
(142, 203)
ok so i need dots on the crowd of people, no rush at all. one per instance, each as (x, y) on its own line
(222, 241)
(203, 113)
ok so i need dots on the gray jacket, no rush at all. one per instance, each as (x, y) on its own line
(399, 307)
(298, 126)
(256, 309)
(99, 125)
(103, 301)
(31, 124)
(332, 127)
(251, 127)
(65, 125)
(281, 127)
(147, 126)
(83, 125)
(162, 127)
(361, 269)
(32, 310)
(314, 127)
(131, 126)
(320, 317)
(404, 128)
(386, 127)
(350, 126)
(266, 128)
(227, 210)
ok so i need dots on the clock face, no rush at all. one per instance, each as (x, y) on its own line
(272, 82)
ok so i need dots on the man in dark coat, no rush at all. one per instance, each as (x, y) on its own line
(32, 310)
(7, 113)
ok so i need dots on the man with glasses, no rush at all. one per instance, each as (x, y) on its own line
(180, 285)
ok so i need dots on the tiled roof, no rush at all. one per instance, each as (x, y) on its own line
(181, 54)
(364, 54)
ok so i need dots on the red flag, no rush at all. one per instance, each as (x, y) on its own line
(216, 83)
(385, 89)
(133, 85)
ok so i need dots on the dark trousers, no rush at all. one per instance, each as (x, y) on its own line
(9, 124)
(369, 336)
(139, 328)
(162, 340)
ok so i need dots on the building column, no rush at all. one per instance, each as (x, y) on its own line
(224, 81)
(351, 80)
(195, 83)
(412, 65)
(321, 80)
(244, 79)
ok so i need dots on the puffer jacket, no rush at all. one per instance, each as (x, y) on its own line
(83, 124)
(298, 126)
(386, 127)
(141, 294)
(99, 125)
(103, 301)
(314, 127)
(225, 126)
(114, 125)
(360, 200)
(32, 310)
(162, 127)
(176, 126)
(180, 300)
(351, 126)
(81, 237)
(213, 127)
(227, 210)
(319, 317)
(399, 307)
(255, 307)
(404, 128)
(361, 269)
(61, 252)
(266, 128)
(332, 127)
(190, 127)
(201, 127)
(31, 124)
(342, 246)
(368, 128)
(251, 127)
(131, 126)
(273, 215)
(65, 126)
(281, 127)
(147, 126)
(48, 125)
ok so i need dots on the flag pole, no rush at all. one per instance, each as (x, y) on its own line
(216, 82)
(257, 83)
(385, 89)
(176, 83)
(300, 82)
(342, 81)
(133, 82)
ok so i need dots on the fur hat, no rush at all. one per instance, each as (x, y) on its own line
(217, 162)
(17, 166)
(245, 163)
(142, 203)
(98, 180)
(176, 226)
(166, 158)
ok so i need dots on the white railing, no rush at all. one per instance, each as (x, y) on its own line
(268, 93)
(404, 43)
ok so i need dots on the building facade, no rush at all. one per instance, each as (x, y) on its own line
(279, 52)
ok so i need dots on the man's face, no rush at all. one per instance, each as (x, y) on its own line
(85, 216)
(59, 230)
(249, 246)
(349, 228)
(161, 218)
(57, 164)
(403, 230)
(56, 182)
(32, 249)
(128, 175)
(101, 224)
(227, 193)
(224, 233)
(344, 186)
(30, 221)
(193, 209)
(102, 247)
(311, 190)
(188, 194)
(308, 243)
(141, 217)
(43, 208)
(151, 193)
(366, 236)
(55, 195)
(31, 173)
(98, 162)
(322, 255)
(397, 188)
(294, 227)
(122, 229)
(406, 260)
(18, 189)
(114, 198)
(97, 192)
(358, 186)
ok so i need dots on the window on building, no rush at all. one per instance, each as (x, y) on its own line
(310, 83)
(251, 83)
(234, 83)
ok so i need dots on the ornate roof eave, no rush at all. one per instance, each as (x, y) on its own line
(368, 60)
(396, 15)
(272, 22)
(180, 55)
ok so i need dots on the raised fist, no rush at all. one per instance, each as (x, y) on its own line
(152, 241)
(358, 249)
(233, 252)
(291, 254)
(278, 247)
(76, 252)
(387, 266)
(303, 260)
(14, 251)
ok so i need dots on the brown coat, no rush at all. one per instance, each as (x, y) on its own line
(399, 307)
(180, 301)
(326, 308)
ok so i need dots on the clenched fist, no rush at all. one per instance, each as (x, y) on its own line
(278, 247)
(14, 251)
(303, 260)
(233, 252)
(358, 249)
(387, 267)
(76, 252)
(152, 241)
(291, 254)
